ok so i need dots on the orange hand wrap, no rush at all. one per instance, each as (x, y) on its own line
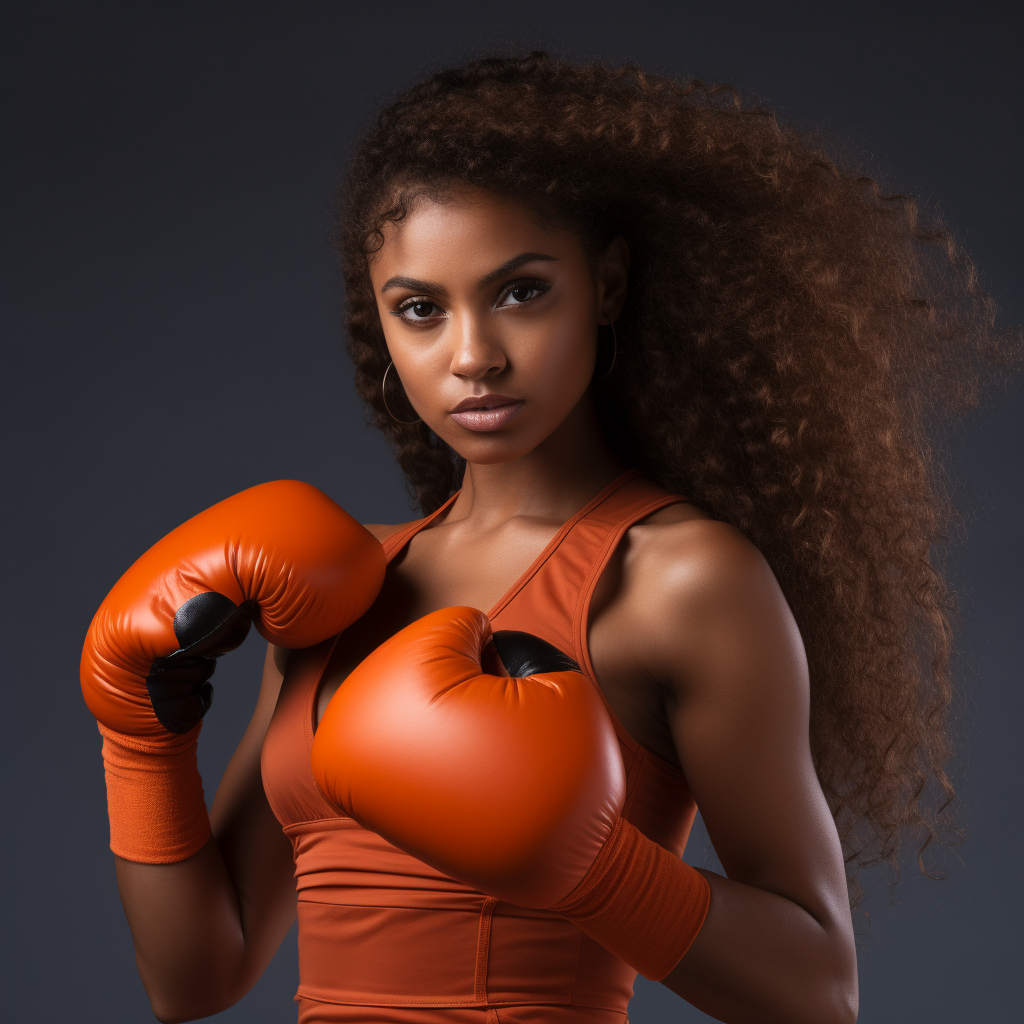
(154, 796)
(640, 902)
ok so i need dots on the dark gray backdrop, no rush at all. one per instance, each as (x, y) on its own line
(172, 336)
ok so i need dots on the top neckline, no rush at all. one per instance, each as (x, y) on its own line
(398, 541)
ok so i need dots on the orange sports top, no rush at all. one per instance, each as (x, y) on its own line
(385, 938)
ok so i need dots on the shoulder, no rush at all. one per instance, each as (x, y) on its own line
(682, 555)
(704, 594)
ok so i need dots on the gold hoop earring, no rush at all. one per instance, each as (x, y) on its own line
(384, 399)
(615, 353)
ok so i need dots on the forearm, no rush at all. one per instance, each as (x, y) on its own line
(762, 959)
(206, 926)
(187, 929)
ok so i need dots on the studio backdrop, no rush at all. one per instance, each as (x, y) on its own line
(172, 335)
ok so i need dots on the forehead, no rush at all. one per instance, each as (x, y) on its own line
(466, 229)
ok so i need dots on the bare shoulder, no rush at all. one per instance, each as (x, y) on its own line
(702, 591)
(681, 554)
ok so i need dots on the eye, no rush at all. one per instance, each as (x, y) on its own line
(523, 291)
(417, 309)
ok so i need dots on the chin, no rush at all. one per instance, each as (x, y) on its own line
(489, 449)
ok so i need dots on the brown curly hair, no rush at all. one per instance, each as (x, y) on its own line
(791, 336)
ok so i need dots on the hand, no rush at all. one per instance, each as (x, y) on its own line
(281, 554)
(509, 783)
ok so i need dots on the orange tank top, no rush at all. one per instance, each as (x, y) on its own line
(385, 938)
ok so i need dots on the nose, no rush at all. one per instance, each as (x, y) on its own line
(476, 353)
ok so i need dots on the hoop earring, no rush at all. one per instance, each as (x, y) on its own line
(615, 353)
(384, 399)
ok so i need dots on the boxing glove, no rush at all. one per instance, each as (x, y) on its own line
(510, 783)
(281, 555)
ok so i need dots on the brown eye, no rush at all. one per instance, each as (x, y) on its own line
(523, 291)
(417, 309)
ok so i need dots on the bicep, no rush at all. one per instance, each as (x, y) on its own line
(738, 709)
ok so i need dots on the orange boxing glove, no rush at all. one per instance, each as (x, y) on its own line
(510, 783)
(282, 555)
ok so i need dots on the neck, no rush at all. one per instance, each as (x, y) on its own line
(552, 482)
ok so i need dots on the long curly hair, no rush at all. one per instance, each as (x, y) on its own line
(791, 338)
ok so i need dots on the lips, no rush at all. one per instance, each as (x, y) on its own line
(484, 402)
(486, 412)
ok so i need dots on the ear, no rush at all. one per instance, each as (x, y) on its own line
(612, 274)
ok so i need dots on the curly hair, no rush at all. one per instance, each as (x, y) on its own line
(791, 338)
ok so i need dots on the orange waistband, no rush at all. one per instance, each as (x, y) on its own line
(380, 928)
(493, 955)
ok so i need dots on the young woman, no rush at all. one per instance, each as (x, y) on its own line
(658, 372)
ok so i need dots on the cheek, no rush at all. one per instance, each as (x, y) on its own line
(558, 358)
(424, 365)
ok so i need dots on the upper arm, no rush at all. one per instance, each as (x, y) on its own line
(731, 660)
(243, 771)
(256, 852)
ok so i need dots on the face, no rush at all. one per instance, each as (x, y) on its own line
(491, 318)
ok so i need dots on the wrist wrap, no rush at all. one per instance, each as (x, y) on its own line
(154, 796)
(640, 902)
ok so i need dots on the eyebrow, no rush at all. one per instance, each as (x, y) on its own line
(414, 284)
(513, 264)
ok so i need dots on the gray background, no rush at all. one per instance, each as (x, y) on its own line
(172, 336)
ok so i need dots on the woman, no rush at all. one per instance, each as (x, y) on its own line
(657, 372)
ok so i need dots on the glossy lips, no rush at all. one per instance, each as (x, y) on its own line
(486, 412)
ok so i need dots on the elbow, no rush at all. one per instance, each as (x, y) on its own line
(179, 1007)
(193, 990)
(849, 1008)
(171, 1011)
(842, 1003)
(825, 998)
(167, 1012)
(836, 1008)
(176, 1012)
(168, 1015)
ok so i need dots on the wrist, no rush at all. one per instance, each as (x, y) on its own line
(154, 796)
(639, 901)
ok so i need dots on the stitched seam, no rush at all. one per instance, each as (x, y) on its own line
(384, 906)
(525, 1001)
(553, 545)
(467, 1001)
(307, 726)
(581, 615)
(299, 827)
(393, 544)
(576, 967)
(483, 948)
(311, 699)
